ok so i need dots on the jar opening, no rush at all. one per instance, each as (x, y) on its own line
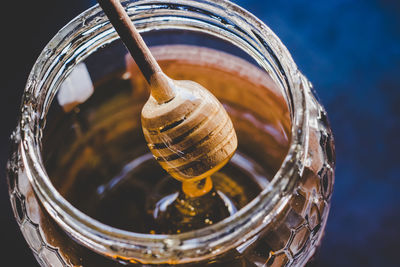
(86, 34)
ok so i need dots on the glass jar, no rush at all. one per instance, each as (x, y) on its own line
(282, 225)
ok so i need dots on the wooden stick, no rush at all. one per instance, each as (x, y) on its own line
(161, 86)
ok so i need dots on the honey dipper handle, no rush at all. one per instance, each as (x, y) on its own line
(161, 85)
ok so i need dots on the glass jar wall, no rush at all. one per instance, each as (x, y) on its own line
(78, 143)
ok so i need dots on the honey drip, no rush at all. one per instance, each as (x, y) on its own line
(196, 208)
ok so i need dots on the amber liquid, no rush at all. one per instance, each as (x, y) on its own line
(103, 167)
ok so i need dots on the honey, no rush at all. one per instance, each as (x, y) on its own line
(105, 169)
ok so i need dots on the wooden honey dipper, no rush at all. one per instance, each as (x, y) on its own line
(186, 128)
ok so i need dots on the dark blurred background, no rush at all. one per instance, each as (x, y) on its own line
(349, 50)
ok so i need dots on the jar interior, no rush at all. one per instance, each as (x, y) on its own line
(93, 147)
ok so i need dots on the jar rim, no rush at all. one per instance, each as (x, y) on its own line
(184, 247)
